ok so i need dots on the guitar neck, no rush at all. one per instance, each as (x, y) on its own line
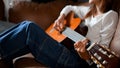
(71, 34)
(74, 36)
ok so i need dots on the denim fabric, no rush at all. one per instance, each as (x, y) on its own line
(5, 25)
(28, 37)
(13, 41)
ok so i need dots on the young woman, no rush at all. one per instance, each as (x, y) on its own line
(28, 37)
(99, 18)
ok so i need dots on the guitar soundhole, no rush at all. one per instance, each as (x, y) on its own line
(82, 29)
(68, 43)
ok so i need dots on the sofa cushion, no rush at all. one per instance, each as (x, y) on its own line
(28, 63)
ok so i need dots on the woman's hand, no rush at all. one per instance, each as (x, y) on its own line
(80, 47)
(59, 23)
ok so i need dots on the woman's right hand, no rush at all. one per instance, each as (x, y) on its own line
(59, 23)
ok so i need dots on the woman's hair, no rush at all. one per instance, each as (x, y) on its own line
(104, 5)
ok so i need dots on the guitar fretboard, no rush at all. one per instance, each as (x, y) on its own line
(74, 36)
(71, 34)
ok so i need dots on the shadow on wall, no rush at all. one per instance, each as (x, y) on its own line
(9, 4)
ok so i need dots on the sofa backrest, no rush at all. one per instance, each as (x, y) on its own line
(115, 43)
(43, 14)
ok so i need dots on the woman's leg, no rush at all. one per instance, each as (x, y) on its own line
(50, 52)
(13, 41)
(22, 39)
(28, 37)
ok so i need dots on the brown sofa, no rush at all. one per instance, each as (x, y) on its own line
(41, 13)
(44, 14)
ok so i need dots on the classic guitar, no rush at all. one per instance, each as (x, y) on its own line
(103, 57)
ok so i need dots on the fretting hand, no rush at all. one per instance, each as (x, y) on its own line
(80, 47)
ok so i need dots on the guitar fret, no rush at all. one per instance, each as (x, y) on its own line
(72, 34)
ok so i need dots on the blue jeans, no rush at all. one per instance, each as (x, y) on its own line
(28, 37)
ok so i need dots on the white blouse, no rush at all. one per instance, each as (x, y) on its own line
(101, 28)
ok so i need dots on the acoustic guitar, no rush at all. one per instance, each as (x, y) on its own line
(102, 56)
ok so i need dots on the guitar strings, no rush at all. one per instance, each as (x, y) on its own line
(73, 35)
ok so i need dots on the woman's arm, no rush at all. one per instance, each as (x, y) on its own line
(79, 10)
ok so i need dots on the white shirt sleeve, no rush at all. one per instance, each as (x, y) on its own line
(79, 10)
(109, 24)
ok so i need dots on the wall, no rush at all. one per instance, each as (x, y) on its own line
(9, 4)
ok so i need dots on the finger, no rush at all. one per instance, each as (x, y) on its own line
(60, 26)
(76, 45)
(83, 48)
(57, 25)
(78, 49)
(54, 24)
(85, 41)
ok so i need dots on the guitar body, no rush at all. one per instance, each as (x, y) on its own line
(73, 23)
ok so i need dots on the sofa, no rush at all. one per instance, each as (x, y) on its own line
(44, 15)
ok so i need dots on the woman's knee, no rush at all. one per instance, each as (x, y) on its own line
(26, 22)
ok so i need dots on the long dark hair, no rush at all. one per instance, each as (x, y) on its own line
(105, 5)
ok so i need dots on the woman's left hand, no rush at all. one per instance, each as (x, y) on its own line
(80, 47)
